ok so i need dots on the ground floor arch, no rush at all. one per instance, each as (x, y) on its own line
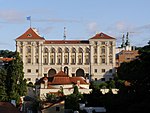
(80, 72)
(51, 72)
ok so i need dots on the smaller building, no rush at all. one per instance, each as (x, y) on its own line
(60, 82)
(4, 61)
(126, 56)
(126, 52)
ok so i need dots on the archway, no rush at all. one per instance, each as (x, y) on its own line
(51, 72)
(66, 70)
(80, 72)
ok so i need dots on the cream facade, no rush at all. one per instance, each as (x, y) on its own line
(93, 58)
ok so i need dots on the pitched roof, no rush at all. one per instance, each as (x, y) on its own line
(66, 42)
(6, 59)
(61, 80)
(76, 79)
(61, 74)
(30, 34)
(6, 107)
(102, 36)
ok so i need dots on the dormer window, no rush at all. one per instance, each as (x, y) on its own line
(29, 35)
(101, 35)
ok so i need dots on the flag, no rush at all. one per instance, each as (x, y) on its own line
(29, 18)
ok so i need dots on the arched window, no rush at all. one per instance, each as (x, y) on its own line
(87, 50)
(80, 50)
(73, 50)
(80, 72)
(59, 50)
(45, 50)
(103, 50)
(66, 50)
(52, 50)
(28, 49)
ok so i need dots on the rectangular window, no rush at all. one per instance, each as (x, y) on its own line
(29, 60)
(37, 70)
(87, 61)
(37, 50)
(28, 70)
(28, 79)
(102, 79)
(59, 61)
(95, 50)
(103, 70)
(73, 60)
(45, 60)
(21, 50)
(103, 50)
(95, 60)
(73, 75)
(111, 43)
(66, 60)
(37, 60)
(110, 50)
(103, 60)
(52, 60)
(103, 43)
(95, 70)
(110, 60)
(80, 61)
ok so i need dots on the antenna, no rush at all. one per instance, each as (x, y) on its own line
(64, 33)
(123, 43)
(127, 39)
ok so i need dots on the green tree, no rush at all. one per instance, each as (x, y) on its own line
(72, 102)
(76, 90)
(15, 84)
(7, 53)
(3, 95)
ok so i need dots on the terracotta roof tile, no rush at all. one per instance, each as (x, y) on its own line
(60, 74)
(6, 59)
(30, 34)
(61, 80)
(75, 79)
(102, 36)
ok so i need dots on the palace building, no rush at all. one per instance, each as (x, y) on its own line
(93, 59)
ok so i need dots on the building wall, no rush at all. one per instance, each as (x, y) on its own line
(96, 58)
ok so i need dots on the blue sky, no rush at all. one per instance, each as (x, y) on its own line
(82, 19)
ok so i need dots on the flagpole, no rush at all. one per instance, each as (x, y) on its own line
(30, 21)
(29, 18)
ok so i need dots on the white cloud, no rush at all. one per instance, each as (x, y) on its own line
(11, 16)
(92, 27)
(46, 30)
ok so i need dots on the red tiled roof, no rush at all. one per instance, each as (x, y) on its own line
(60, 74)
(75, 79)
(6, 59)
(66, 42)
(6, 107)
(102, 36)
(61, 80)
(30, 34)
